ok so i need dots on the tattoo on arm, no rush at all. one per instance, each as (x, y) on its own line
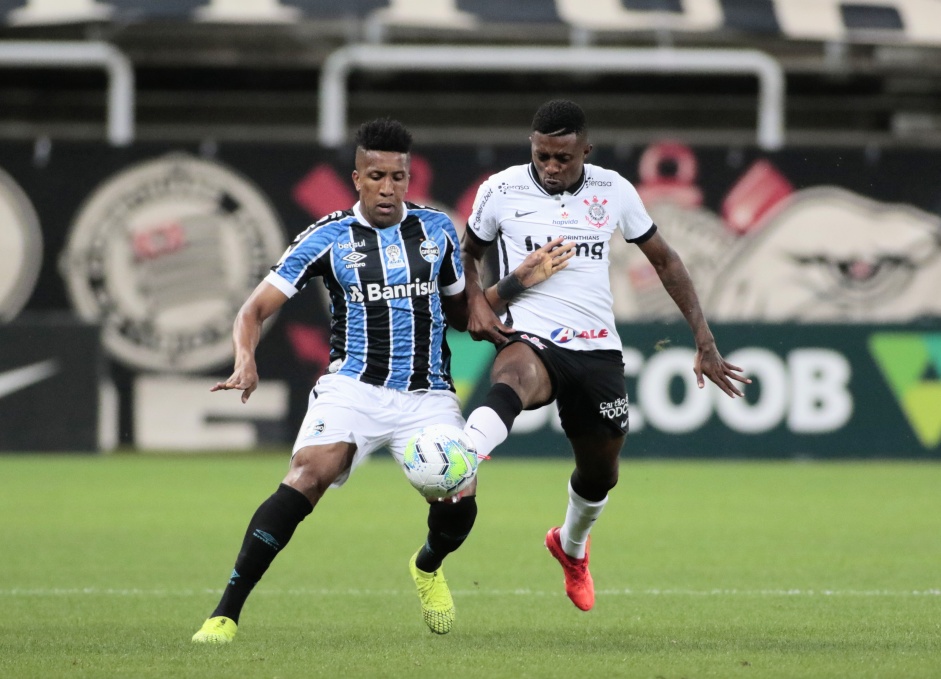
(510, 288)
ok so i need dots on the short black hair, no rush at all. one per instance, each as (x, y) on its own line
(560, 117)
(384, 134)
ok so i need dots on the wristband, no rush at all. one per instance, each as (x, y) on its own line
(510, 287)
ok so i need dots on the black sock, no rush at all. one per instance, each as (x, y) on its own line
(268, 533)
(588, 491)
(449, 524)
(505, 402)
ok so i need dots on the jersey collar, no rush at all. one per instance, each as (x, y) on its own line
(362, 220)
(575, 188)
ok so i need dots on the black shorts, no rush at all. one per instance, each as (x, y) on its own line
(587, 386)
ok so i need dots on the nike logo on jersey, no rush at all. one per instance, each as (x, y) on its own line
(18, 379)
(523, 214)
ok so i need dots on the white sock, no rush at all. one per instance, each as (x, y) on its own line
(579, 518)
(486, 430)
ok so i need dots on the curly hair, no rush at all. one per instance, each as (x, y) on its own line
(384, 134)
(560, 117)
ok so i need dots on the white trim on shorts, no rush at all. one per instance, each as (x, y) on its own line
(343, 409)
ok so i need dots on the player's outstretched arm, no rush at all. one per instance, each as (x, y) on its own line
(264, 301)
(676, 280)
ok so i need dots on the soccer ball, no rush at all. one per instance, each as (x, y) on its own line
(440, 461)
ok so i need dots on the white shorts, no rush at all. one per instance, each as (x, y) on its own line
(344, 409)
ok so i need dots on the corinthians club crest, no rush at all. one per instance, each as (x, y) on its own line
(597, 215)
(163, 254)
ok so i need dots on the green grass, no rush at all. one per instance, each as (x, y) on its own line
(109, 564)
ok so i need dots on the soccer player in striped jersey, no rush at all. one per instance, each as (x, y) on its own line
(396, 282)
(558, 341)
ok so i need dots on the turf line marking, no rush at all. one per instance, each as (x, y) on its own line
(121, 592)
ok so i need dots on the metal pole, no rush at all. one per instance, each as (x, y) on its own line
(339, 64)
(120, 72)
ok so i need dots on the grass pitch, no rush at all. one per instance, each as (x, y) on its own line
(109, 564)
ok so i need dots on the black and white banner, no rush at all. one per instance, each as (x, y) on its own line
(899, 21)
(819, 268)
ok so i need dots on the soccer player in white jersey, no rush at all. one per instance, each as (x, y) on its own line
(558, 341)
(395, 279)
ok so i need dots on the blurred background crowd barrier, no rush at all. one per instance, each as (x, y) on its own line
(150, 177)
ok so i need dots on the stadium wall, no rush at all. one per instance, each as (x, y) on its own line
(819, 270)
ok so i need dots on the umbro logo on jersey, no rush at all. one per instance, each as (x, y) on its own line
(355, 260)
(523, 214)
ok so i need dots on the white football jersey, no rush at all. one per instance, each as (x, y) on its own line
(574, 307)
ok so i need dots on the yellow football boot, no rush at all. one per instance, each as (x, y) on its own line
(218, 630)
(437, 607)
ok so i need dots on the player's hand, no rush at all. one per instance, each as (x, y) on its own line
(244, 378)
(711, 364)
(483, 324)
(542, 263)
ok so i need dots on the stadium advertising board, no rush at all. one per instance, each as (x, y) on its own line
(821, 391)
(798, 255)
(51, 371)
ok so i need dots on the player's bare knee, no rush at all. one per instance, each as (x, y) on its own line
(531, 385)
(308, 481)
(314, 468)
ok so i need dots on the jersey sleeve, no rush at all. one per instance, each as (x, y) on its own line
(307, 257)
(633, 220)
(483, 222)
(451, 276)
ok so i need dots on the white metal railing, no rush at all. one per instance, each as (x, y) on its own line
(339, 64)
(54, 54)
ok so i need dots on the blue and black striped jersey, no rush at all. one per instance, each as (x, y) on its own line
(385, 286)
